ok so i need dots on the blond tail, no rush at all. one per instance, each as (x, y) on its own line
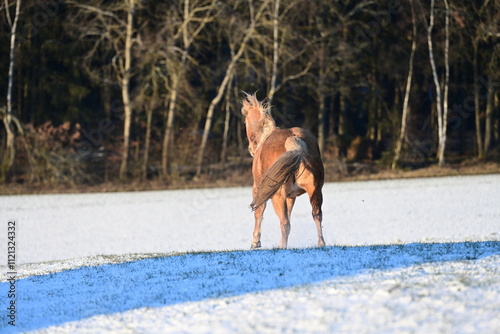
(278, 174)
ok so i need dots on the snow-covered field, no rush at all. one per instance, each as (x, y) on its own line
(419, 255)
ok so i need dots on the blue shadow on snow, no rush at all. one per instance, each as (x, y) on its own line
(76, 294)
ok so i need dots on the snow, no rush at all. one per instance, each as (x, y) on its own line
(419, 255)
(58, 227)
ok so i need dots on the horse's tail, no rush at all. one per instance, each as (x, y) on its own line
(280, 172)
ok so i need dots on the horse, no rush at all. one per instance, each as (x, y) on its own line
(286, 164)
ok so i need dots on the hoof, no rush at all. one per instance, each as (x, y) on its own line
(255, 245)
(321, 243)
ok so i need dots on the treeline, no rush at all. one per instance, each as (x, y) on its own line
(102, 89)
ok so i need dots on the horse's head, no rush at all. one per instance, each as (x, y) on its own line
(258, 120)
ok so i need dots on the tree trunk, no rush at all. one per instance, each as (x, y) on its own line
(149, 119)
(272, 86)
(227, 120)
(169, 128)
(147, 140)
(477, 107)
(439, 106)
(496, 122)
(228, 76)
(404, 117)
(125, 82)
(210, 115)
(223, 155)
(342, 108)
(442, 140)
(372, 104)
(10, 149)
(488, 118)
(321, 119)
(320, 93)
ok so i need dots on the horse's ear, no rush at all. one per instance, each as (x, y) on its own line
(266, 106)
(246, 105)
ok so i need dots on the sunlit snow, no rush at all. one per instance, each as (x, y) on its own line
(419, 255)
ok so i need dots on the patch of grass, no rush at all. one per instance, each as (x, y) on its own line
(241, 176)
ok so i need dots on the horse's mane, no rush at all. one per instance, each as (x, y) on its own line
(265, 125)
(254, 102)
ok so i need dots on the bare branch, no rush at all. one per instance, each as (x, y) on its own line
(297, 75)
(98, 11)
(7, 13)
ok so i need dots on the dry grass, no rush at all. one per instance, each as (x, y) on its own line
(363, 172)
(241, 176)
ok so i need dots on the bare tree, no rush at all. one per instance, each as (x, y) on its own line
(286, 51)
(446, 83)
(325, 70)
(402, 134)
(488, 128)
(484, 29)
(109, 29)
(227, 120)
(247, 36)
(334, 52)
(223, 155)
(274, 75)
(437, 86)
(10, 149)
(194, 20)
(149, 98)
(124, 71)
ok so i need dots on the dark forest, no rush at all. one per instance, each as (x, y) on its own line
(97, 91)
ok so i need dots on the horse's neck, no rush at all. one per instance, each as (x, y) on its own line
(258, 132)
(268, 127)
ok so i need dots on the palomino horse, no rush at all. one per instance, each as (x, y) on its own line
(286, 164)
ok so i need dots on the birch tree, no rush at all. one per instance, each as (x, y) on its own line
(195, 18)
(287, 47)
(274, 75)
(484, 33)
(326, 69)
(10, 149)
(150, 102)
(446, 83)
(227, 120)
(124, 71)
(404, 116)
(111, 28)
(440, 106)
(247, 36)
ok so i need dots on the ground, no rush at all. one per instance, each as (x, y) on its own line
(402, 256)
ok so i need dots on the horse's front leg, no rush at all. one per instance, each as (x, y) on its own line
(259, 216)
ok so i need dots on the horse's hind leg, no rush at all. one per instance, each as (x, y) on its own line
(313, 188)
(259, 216)
(316, 199)
(280, 207)
(290, 201)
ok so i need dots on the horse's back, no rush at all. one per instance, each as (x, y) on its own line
(309, 138)
(274, 146)
(275, 142)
